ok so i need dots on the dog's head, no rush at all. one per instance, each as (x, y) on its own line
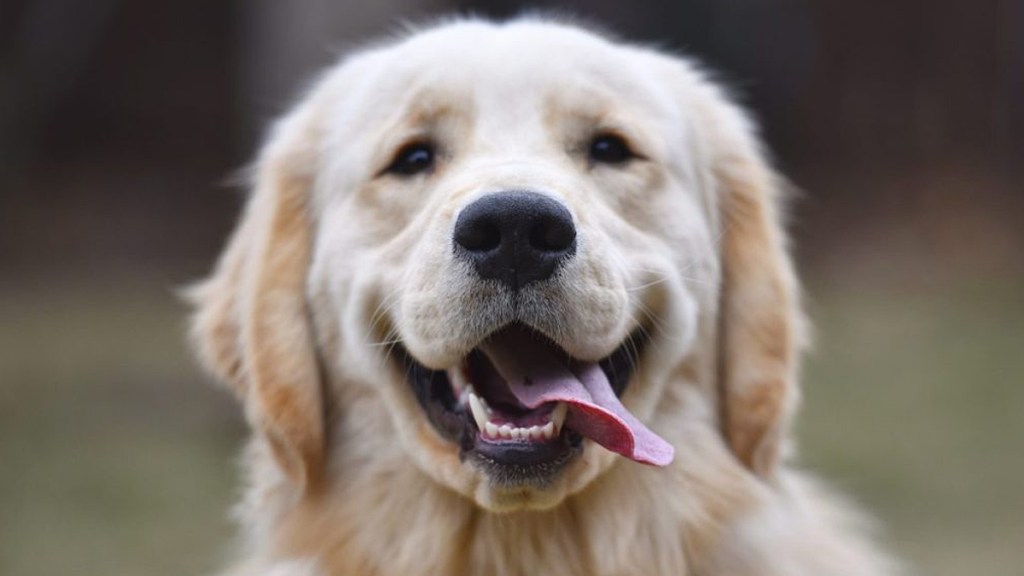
(510, 255)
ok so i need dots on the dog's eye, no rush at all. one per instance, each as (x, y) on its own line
(610, 149)
(413, 158)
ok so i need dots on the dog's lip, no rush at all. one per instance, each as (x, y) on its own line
(444, 399)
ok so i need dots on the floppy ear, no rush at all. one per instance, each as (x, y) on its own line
(251, 326)
(760, 322)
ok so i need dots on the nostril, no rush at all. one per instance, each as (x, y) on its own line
(478, 235)
(553, 235)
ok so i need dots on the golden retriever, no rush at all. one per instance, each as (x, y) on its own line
(514, 299)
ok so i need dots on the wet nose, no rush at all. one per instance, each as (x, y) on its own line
(515, 237)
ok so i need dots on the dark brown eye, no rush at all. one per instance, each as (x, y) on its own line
(610, 149)
(413, 158)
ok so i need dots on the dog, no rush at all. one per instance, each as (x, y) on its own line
(515, 299)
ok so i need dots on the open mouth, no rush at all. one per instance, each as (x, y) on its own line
(520, 406)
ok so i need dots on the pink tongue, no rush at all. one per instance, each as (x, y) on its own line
(536, 374)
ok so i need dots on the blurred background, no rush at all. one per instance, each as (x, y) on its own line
(122, 122)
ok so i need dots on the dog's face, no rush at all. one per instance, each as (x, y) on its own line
(499, 254)
(503, 196)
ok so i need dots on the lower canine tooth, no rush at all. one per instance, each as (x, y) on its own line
(479, 414)
(558, 416)
(491, 429)
(548, 430)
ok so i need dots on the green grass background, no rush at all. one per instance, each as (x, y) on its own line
(117, 456)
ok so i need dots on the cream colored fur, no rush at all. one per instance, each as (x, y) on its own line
(334, 261)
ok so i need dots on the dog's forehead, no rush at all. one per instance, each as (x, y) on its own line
(526, 65)
(535, 48)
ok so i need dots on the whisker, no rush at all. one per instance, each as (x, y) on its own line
(650, 317)
(633, 353)
(390, 341)
(391, 349)
(647, 285)
(699, 281)
(383, 307)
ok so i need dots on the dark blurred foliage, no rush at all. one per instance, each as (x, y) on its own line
(117, 123)
(902, 122)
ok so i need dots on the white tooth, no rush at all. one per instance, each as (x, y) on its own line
(491, 429)
(558, 416)
(519, 434)
(548, 431)
(505, 431)
(483, 402)
(479, 414)
(536, 433)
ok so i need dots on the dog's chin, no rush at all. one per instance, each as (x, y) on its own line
(525, 457)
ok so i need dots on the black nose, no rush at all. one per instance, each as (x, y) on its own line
(515, 237)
